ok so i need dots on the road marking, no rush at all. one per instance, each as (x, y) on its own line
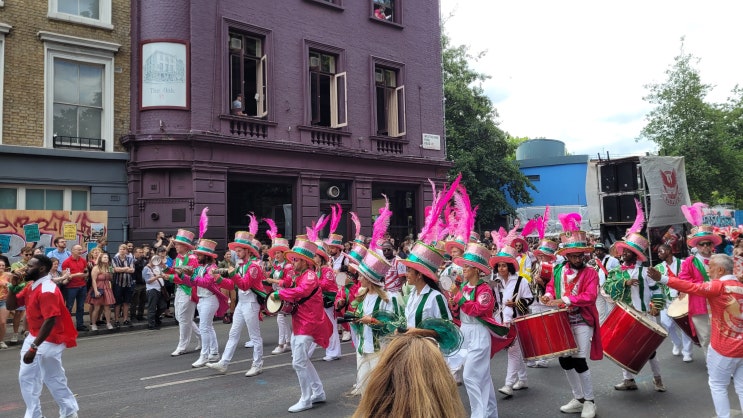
(213, 376)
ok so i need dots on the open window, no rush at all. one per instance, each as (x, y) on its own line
(390, 102)
(328, 98)
(248, 75)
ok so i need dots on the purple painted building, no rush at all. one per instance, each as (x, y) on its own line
(283, 108)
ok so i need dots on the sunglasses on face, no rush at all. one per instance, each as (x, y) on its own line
(705, 244)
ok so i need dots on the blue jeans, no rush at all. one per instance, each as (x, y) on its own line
(77, 294)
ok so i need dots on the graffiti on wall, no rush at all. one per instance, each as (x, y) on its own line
(90, 225)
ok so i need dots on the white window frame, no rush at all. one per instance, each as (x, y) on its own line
(104, 12)
(66, 194)
(262, 87)
(81, 50)
(396, 113)
(4, 30)
(338, 103)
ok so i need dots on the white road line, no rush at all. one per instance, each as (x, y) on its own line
(213, 376)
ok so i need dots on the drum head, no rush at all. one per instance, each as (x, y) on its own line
(273, 306)
(340, 278)
(679, 308)
(445, 283)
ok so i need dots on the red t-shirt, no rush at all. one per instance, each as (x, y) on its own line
(75, 266)
(43, 300)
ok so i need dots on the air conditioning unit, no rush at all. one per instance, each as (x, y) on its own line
(314, 62)
(236, 43)
(379, 76)
(333, 192)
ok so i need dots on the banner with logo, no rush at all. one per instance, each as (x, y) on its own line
(667, 191)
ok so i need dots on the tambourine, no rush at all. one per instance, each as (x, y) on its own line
(156, 260)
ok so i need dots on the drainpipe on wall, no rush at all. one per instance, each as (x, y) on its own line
(125, 231)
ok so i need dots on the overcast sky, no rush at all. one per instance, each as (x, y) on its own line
(576, 70)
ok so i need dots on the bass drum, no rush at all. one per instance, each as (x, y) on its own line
(545, 335)
(678, 310)
(630, 337)
(275, 307)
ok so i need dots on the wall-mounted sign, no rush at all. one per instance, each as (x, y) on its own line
(164, 78)
(431, 141)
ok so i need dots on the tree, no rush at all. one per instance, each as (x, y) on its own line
(707, 135)
(478, 148)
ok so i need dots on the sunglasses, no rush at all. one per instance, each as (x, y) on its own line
(705, 244)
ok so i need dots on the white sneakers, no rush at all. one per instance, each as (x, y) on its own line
(3, 346)
(520, 385)
(249, 344)
(676, 351)
(687, 358)
(346, 336)
(300, 406)
(330, 358)
(254, 371)
(279, 349)
(213, 357)
(589, 410)
(319, 398)
(94, 327)
(572, 407)
(218, 366)
(506, 390)
(177, 353)
(201, 362)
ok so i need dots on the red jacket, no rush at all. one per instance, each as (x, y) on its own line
(310, 318)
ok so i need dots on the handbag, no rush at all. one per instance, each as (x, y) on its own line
(93, 296)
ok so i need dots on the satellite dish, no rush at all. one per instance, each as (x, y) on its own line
(333, 192)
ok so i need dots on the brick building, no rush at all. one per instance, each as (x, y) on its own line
(283, 108)
(64, 102)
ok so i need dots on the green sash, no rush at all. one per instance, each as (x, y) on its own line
(700, 266)
(439, 301)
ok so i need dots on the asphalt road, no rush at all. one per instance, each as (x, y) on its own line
(131, 374)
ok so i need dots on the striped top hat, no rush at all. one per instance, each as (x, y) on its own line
(574, 242)
(547, 248)
(456, 242)
(477, 256)
(373, 267)
(279, 244)
(303, 249)
(206, 247)
(635, 243)
(507, 254)
(185, 237)
(703, 233)
(357, 253)
(322, 250)
(334, 240)
(244, 239)
(425, 259)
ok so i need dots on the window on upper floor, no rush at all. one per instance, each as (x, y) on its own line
(387, 10)
(248, 75)
(86, 12)
(328, 104)
(50, 198)
(389, 101)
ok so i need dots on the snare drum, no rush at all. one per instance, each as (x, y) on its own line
(275, 307)
(678, 310)
(545, 271)
(629, 337)
(545, 335)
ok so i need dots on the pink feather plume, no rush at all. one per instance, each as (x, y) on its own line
(356, 223)
(313, 232)
(513, 233)
(253, 225)
(380, 224)
(694, 213)
(570, 221)
(499, 237)
(529, 227)
(542, 222)
(429, 232)
(466, 213)
(273, 230)
(335, 217)
(203, 222)
(639, 219)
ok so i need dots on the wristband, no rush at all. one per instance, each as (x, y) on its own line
(276, 293)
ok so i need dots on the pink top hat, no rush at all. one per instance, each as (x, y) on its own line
(206, 247)
(424, 259)
(703, 233)
(185, 237)
(334, 240)
(357, 253)
(477, 256)
(244, 239)
(279, 244)
(322, 250)
(548, 248)
(507, 254)
(373, 267)
(456, 242)
(303, 249)
(635, 243)
(574, 242)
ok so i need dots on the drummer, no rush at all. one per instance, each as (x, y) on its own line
(670, 266)
(637, 286)
(541, 275)
(575, 286)
(329, 289)
(281, 276)
(605, 263)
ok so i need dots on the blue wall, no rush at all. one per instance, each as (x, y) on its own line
(561, 184)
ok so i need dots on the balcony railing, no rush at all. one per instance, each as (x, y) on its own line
(74, 142)
(247, 127)
(324, 137)
(389, 146)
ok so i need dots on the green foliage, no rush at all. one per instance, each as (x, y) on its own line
(708, 135)
(479, 149)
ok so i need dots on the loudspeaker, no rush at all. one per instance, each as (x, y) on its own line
(627, 208)
(608, 178)
(611, 208)
(627, 176)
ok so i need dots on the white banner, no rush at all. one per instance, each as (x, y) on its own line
(553, 227)
(667, 190)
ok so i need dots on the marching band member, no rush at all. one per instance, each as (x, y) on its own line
(310, 325)
(605, 263)
(575, 286)
(185, 298)
(337, 260)
(476, 301)
(513, 298)
(541, 272)
(248, 279)
(281, 277)
(395, 277)
(329, 292)
(523, 256)
(670, 266)
(637, 286)
(211, 300)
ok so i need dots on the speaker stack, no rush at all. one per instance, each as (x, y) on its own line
(619, 188)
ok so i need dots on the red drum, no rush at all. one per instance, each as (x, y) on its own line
(630, 337)
(545, 271)
(678, 310)
(274, 307)
(545, 335)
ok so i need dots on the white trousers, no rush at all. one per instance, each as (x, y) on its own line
(46, 369)
(477, 378)
(581, 384)
(334, 346)
(184, 311)
(285, 328)
(516, 367)
(207, 308)
(309, 381)
(246, 314)
(365, 363)
(720, 368)
(701, 324)
(678, 337)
